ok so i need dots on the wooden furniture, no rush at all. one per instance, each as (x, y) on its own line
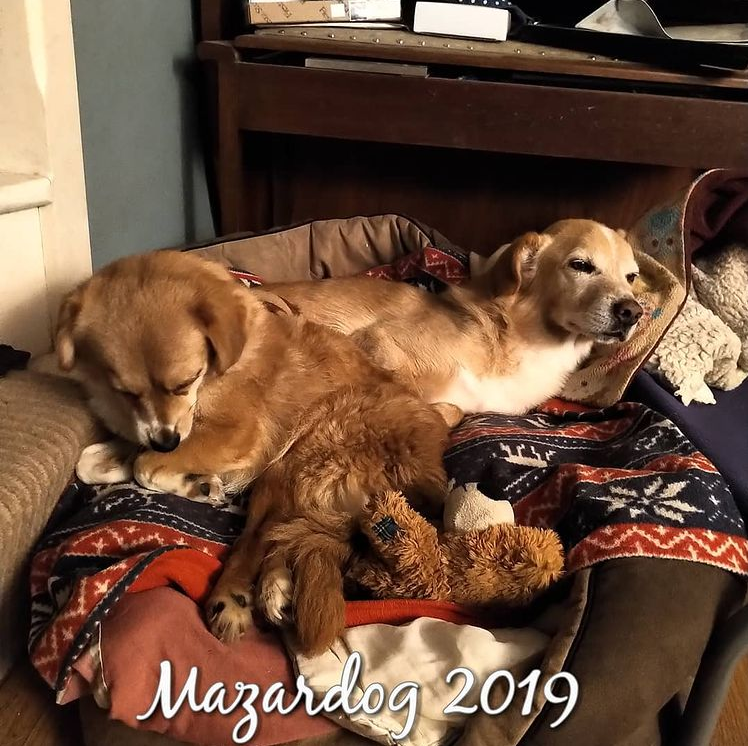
(543, 133)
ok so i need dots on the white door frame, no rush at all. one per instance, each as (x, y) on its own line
(41, 165)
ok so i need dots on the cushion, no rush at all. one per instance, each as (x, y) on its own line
(46, 424)
(645, 627)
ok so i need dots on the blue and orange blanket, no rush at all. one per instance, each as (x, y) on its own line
(618, 482)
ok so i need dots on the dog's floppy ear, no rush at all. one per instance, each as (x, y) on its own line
(515, 265)
(450, 413)
(67, 319)
(224, 325)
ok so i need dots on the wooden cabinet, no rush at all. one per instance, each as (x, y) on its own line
(499, 138)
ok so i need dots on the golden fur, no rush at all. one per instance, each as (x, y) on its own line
(504, 342)
(170, 345)
(222, 385)
(357, 444)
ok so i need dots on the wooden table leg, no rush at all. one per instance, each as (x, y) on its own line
(229, 166)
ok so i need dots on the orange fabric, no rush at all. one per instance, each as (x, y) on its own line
(402, 611)
(164, 625)
(194, 572)
(560, 406)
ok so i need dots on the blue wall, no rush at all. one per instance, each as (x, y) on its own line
(137, 83)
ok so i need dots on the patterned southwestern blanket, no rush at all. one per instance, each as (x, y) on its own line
(617, 482)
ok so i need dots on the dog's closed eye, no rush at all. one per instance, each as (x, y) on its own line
(129, 395)
(183, 388)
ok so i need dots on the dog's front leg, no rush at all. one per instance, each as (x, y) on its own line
(196, 467)
(109, 462)
(181, 472)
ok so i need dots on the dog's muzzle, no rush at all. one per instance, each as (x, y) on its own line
(167, 440)
(627, 313)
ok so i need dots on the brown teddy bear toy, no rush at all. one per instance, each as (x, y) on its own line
(500, 564)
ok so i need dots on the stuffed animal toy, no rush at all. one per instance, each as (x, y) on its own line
(699, 350)
(501, 564)
(468, 509)
(720, 282)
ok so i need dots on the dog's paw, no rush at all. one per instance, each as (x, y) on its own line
(204, 488)
(153, 474)
(106, 463)
(275, 594)
(229, 614)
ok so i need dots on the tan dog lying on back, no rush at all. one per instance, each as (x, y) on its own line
(507, 341)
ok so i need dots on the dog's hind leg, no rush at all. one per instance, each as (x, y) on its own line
(229, 606)
(274, 592)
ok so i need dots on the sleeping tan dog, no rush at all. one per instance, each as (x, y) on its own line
(508, 340)
(224, 388)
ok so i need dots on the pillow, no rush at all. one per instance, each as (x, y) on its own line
(163, 624)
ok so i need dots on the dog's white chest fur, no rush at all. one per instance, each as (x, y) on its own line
(539, 376)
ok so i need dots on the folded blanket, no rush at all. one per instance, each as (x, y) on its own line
(164, 625)
(618, 482)
(717, 431)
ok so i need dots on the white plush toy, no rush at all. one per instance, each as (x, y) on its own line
(467, 509)
(721, 284)
(699, 350)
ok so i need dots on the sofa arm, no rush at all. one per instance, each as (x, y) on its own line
(45, 424)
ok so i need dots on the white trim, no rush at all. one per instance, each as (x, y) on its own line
(46, 253)
(23, 191)
(64, 222)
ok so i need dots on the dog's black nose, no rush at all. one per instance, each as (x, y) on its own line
(627, 312)
(166, 441)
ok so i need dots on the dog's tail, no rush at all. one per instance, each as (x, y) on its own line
(316, 549)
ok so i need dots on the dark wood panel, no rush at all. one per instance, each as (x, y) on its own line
(29, 715)
(478, 200)
(220, 19)
(490, 116)
(402, 46)
(733, 723)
